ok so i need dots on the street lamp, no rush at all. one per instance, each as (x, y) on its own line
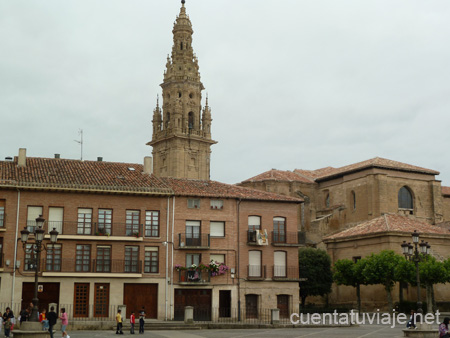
(412, 253)
(35, 249)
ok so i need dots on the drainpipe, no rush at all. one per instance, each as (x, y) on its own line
(171, 268)
(167, 254)
(238, 203)
(15, 248)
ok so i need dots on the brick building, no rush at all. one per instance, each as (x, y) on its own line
(122, 231)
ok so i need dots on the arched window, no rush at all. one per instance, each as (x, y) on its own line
(405, 198)
(353, 200)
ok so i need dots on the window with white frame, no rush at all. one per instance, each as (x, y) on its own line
(218, 258)
(254, 263)
(216, 204)
(193, 203)
(32, 214)
(254, 223)
(55, 219)
(2, 213)
(279, 264)
(217, 229)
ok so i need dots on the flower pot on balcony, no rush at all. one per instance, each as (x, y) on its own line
(183, 278)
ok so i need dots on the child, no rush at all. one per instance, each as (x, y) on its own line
(43, 319)
(132, 321)
(7, 326)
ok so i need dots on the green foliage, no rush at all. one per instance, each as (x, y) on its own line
(381, 268)
(405, 272)
(315, 266)
(346, 272)
(447, 268)
(432, 272)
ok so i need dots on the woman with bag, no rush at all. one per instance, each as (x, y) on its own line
(443, 328)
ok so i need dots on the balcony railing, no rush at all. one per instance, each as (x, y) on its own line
(285, 273)
(256, 272)
(282, 238)
(193, 277)
(197, 241)
(91, 265)
(91, 229)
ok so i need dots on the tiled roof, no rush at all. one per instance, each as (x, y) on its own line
(198, 188)
(445, 191)
(376, 162)
(388, 223)
(278, 175)
(76, 174)
(313, 174)
(122, 177)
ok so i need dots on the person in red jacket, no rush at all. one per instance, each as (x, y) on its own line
(132, 321)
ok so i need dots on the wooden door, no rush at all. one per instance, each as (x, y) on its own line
(49, 295)
(283, 305)
(251, 306)
(138, 295)
(200, 299)
(101, 300)
(225, 303)
(81, 300)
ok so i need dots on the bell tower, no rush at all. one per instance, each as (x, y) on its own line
(181, 137)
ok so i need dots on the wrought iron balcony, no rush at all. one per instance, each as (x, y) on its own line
(193, 277)
(91, 265)
(282, 238)
(91, 228)
(193, 241)
(256, 272)
(285, 273)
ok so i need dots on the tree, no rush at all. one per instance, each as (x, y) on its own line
(315, 269)
(381, 269)
(347, 272)
(405, 273)
(432, 272)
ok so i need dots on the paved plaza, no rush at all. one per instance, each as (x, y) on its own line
(366, 331)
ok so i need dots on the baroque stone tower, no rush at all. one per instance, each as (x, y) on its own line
(181, 138)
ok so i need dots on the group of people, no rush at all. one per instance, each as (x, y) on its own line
(8, 321)
(119, 321)
(48, 320)
(443, 327)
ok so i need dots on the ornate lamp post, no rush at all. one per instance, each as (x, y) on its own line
(35, 249)
(412, 253)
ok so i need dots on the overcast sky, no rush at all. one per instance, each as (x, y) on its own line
(292, 84)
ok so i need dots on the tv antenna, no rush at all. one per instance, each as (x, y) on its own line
(80, 141)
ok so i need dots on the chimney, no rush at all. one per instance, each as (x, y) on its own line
(57, 156)
(99, 159)
(22, 160)
(148, 165)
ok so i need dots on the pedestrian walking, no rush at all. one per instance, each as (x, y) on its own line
(119, 322)
(141, 320)
(132, 322)
(64, 322)
(52, 318)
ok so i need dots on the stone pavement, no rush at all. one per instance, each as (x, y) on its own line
(366, 331)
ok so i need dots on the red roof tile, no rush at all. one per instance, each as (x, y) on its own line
(313, 174)
(445, 191)
(389, 223)
(76, 174)
(278, 175)
(198, 188)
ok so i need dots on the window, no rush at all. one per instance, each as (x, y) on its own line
(132, 222)
(279, 264)
(216, 204)
(279, 230)
(192, 259)
(2, 213)
(151, 262)
(83, 258)
(1, 252)
(193, 203)
(191, 120)
(152, 224)
(354, 200)
(254, 223)
(105, 221)
(53, 262)
(131, 259)
(356, 259)
(30, 261)
(55, 219)
(405, 199)
(254, 264)
(103, 263)
(193, 237)
(219, 258)
(84, 226)
(327, 201)
(217, 229)
(32, 214)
